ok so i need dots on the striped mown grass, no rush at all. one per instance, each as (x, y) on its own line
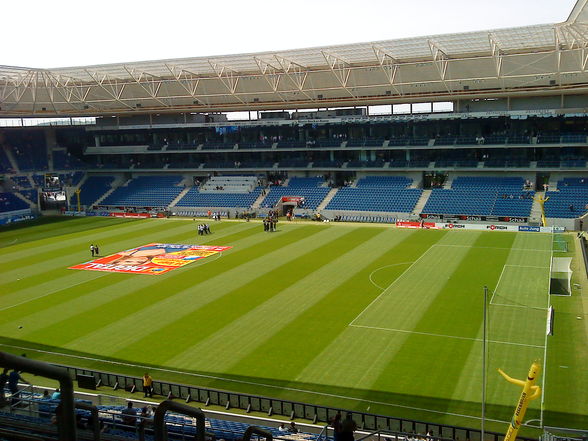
(344, 315)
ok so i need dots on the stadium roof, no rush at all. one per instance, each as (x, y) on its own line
(539, 59)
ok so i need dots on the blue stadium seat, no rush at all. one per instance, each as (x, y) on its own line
(10, 202)
(146, 191)
(570, 200)
(92, 189)
(377, 193)
(482, 196)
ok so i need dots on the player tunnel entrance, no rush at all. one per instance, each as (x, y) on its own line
(287, 203)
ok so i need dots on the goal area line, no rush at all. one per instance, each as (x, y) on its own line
(431, 334)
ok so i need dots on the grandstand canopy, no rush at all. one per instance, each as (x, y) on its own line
(540, 59)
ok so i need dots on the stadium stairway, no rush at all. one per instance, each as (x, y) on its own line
(77, 187)
(449, 181)
(535, 215)
(418, 208)
(327, 199)
(12, 159)
(179, 197)
(554, 178)
(118, 182)
(32, 204)
(258, 201)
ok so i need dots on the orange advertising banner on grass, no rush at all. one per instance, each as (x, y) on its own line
(153, 258)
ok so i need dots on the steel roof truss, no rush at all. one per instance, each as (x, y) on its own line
(340, 69)
(441, 61)
(110, 86)
(271, 74)
(147, 82)
(389, 66)
(186, 79)
(296, 73)
(228, 77)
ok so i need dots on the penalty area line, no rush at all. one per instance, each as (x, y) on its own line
(528, 266)
(382, 267)
(391, 285)
(430, 334)
(492, 248)
(251, 383)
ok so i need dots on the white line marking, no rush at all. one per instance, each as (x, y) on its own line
(545, 345)
(50, 293)
(420, 409)
(497, 283)
(392, 284)
(519, 306)
(529, 266)
(382, 267)
(490, 248)
(444, 335)
(9, 244)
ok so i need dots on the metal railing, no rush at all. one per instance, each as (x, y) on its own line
(66, 426)
(290, 409)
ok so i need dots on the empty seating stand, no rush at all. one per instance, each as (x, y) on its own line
(92, 189)
(482, 196)
(10, 202)
(65, 161)
(5, 165)
(146, 191)
(377, 193)
(570, 200)
(195, 198)
(31, 157)
(223, 192)
(22, 182)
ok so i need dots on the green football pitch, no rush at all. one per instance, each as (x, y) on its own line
(369, 318)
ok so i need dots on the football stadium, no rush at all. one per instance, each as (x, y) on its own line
(382, 241)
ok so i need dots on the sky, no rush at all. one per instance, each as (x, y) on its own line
(64, 33)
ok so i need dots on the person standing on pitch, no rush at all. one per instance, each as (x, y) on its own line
(96, 250)
(147, 385)
(92, 250)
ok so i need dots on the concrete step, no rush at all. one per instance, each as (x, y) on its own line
(330, 195)
(180, 196)
(32, 204)
(259, 200)
(118, 182)
(418, 208)
(12, 159)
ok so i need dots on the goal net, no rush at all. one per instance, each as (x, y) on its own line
(561, 276)
(560, 245)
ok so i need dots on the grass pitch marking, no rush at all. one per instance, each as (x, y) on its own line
(510, 305)
(497, 284)
(545, 349)
(490, 248)
(529, 266)
(391, 285)
(405, 331)
(50, 293)
(506, 305)
(382, 267)
(251, 383)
